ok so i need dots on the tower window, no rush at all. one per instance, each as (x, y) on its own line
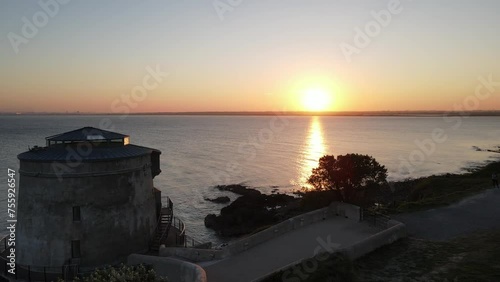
(76, 214)
(75, 249)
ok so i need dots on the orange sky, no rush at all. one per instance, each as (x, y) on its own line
(261, 56)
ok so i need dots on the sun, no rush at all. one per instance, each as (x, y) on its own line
(316, 99)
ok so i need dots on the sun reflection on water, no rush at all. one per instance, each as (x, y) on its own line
(314, 149)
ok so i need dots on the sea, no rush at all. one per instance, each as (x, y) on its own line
(270, 153)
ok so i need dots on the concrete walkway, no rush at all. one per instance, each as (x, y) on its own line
(291, 247)
(480, 212)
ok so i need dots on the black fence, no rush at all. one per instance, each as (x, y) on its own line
(11, 270)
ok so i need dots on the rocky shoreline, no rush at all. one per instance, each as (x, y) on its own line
(251, 211)
(254, 211)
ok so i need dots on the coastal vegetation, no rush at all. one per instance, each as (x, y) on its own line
(352, 178)
(438, 190)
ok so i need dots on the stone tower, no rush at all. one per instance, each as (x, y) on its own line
(86, 198)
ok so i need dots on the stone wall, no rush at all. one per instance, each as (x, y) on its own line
(117, 207)
(175, 270)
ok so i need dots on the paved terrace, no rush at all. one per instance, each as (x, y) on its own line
(336, 232)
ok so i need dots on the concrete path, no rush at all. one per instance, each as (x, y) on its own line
(479, 212)
(289, 248)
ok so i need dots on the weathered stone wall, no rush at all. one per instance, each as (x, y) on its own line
(117, 211)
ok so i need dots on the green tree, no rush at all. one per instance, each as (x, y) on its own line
(351, 176)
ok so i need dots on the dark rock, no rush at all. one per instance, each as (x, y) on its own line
(238, 189)
(248, 213)
(219, 200)
(210, 220)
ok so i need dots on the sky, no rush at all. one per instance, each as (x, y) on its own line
(248, 55)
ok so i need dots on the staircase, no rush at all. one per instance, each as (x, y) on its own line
(162, 229)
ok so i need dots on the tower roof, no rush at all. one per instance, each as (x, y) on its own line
(106, 145)
(87, 134)
(60, 154)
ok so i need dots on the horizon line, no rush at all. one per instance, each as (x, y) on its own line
(281, 113)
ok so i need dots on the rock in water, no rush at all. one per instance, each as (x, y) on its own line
(219, 200)
(211, 221)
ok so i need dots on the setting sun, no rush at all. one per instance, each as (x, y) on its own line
(316, 100)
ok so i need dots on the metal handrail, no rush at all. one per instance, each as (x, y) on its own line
(180, 226)
(164, 235)
(170, 206)
(379, 219)
(182, 239)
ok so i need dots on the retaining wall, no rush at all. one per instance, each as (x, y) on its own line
(175, 270)
(348, 211)
(395, 230)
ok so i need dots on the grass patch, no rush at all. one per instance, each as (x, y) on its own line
(470, 258)
(322, 268)
(441, 190)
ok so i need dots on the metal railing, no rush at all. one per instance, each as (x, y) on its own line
(34, 273)
(170, 209)
(375, 218)
(185, 241)
(164, 235)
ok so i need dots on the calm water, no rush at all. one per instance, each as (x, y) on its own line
(265, 152)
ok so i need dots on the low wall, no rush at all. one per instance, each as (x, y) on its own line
(335, 209)
(280, 229)
(348, 211)
(395, 231)
(198, 255)
(175, 270)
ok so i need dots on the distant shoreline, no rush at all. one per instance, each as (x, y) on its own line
(290, 113)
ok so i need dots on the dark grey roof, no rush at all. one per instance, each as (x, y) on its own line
(86, 134)
(61, 154)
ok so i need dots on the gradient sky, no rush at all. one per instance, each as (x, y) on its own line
(262, 56)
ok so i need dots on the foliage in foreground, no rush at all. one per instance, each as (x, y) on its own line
(124, 273)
